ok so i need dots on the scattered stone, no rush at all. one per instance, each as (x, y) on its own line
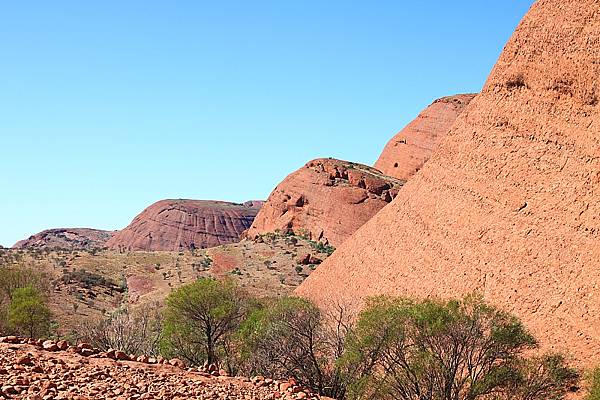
(176, 362)
(62, 345)
(67, 375)
(24, 360)
(49, 345)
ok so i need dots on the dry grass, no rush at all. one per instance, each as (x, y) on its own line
(267, 267)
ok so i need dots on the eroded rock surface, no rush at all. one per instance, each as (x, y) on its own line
(327, 200)
(174, 225)
(509, 204)
(409, 149)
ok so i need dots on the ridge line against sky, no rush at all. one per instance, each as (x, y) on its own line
(108, 107)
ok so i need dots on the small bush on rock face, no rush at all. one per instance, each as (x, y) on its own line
(28, 313)
(200, 319)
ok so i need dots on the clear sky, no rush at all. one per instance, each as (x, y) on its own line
(107, 106)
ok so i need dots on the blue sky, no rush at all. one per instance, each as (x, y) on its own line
(108, 106)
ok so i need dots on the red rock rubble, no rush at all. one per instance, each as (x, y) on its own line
(30, 370)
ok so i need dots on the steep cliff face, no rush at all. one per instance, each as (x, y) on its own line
(409, 150)
(327, 200)
(185, 224)
(509, 204)
(67, 239)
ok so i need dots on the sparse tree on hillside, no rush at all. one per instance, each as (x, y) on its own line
(200, 318)
(292, 338)
(28, 313)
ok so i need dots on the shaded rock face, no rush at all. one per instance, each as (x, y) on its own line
(327, 200)
(67, 239)
(509, 205)
(409, 150)
(173, 225)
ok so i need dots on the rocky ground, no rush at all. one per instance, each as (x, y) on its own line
(39, 370)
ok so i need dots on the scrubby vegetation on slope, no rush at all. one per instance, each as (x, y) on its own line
(395, 348)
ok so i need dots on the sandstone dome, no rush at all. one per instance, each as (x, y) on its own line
(409, 149)
(174, 225)
(326, 199)
(509, 204)
(66, 239)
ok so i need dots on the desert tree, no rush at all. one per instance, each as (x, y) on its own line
(18, 277)
(200, 319)
(291, 337)
(133, 331)
(447, 350)
(28, 313)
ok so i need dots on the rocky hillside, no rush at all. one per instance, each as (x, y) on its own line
(409, 150)
(67, 239)
(509, 205)
(174, 225)
(87, 285)
(326, 200)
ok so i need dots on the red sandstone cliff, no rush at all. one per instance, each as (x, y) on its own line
(185, 224)
(509, 204)
(409, 149)
(327, 199)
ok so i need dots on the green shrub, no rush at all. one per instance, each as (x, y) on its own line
(28, 313)
(200, 319)
(454, 350)
(88, 279)
(545, 377)
(290, 338)
(322, 247)
(594, 385)
(134, 331)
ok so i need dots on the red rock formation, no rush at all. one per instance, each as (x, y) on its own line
(174, 225)
(409, 150)
(67, 239)
(509, 205)
(327, 199)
